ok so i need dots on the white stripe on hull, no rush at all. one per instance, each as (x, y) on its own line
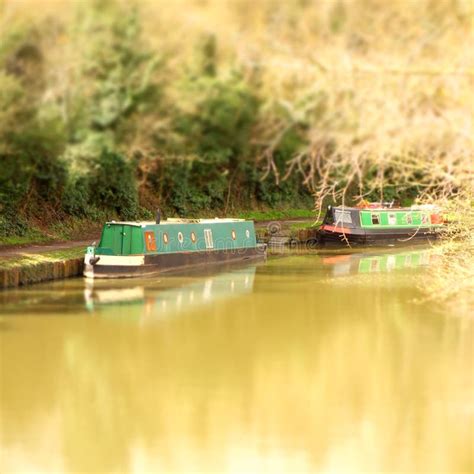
(89, 273)
(112, 260)
(126, 260)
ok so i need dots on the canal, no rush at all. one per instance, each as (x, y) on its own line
(327, 363)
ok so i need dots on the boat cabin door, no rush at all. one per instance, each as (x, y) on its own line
(122, 239)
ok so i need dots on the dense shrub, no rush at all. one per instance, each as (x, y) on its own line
(14, 183)
(112, 185)
(76, 200)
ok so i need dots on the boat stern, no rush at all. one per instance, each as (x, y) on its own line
(111, 266)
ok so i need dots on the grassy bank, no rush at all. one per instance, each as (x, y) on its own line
(38, 267)
(32, 259)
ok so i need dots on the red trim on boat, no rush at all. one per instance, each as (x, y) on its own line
(340, 230)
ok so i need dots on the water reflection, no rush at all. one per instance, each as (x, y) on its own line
(291, 372)
(160, 296)
(381, 261)
(158, 303)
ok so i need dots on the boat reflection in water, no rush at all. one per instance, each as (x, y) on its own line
(170, 296)
(382, 261)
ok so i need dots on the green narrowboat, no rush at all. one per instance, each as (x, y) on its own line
(378, 224)
(129, 249)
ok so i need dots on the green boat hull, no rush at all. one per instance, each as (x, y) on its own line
(131, 249)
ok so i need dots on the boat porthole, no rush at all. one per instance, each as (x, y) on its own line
(180, 237)
(193, 237)
(150, 241)
(165, 238)
(247, 233)
(234, 235)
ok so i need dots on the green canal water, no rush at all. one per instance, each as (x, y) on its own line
(307, 363)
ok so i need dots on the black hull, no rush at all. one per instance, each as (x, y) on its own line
(162, 263)
(378, 237)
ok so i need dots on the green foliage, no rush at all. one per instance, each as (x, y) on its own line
(207, 56)
(112, 185)
(401, 192)
(288, 190)
(224, 113)
(33, 176)
(295, 228)
(12, 224)
(120, 69)
(212, 140)
(76, 196)
(117, 77)
(187, 186)
(71, 156)
(31, 139)
(13, 108)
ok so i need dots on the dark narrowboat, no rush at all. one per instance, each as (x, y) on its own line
(378, 224)
(128, 249)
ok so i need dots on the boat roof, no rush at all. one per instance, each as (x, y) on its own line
(176, 220)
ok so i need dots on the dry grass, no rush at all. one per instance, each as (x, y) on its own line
(452, 281)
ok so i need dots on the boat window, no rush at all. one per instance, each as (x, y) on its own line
(234, 235)
(392, 218)
(343, 217)
(375, 219)
(150, 241)
(208, 238)
(425, 219)
(193, 237)
(180, 237)
(408, 219)
(247, 234)
(165, 238)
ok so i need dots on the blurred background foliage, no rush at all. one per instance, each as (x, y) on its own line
(113, 108)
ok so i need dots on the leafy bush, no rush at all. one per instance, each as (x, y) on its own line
(112, 185)
(76, 197)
